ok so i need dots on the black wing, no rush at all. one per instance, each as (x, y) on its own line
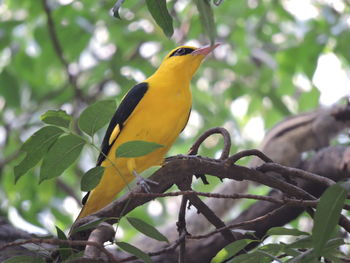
(122, 113)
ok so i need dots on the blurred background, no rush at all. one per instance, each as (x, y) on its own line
(276, 58)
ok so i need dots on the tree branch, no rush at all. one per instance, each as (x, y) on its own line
(103, 233)
(208, 213)
(59, 50)
(181, 223)
(227, 142)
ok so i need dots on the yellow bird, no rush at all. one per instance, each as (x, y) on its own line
(156, 110)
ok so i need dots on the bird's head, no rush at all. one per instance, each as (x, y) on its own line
(185, 60)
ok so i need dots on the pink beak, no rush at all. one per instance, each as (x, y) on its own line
(205, 50)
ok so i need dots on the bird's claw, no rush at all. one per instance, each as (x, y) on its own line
(144, 183)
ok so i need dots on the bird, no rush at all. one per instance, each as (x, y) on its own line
(155, 110)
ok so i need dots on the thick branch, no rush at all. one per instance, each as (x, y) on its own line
(263, 215)
(104, 232)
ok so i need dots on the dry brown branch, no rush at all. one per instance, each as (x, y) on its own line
(227, 142)
(253, 152)
(181, 223)
(103, 233)
(166, 251)
(275, 167)
(208, 213)
(285, 200)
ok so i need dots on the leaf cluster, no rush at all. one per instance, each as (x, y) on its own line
(58, 146)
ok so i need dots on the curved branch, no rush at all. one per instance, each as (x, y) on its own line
(227, 142)
(253, 152)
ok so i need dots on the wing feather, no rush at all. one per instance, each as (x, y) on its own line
(123, 112)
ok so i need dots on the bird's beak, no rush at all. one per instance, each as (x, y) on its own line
(205, 50)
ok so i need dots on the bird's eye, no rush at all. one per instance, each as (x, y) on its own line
(180, 51)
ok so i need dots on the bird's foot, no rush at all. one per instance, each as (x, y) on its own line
(144, 182)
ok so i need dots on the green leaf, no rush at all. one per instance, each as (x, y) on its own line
(275, 249)
(91, 224)
(207, 18)
(35, 147)
(333, 245)
(57, 117)
(24, 259)
(286, 232)
(232, 249)
(64, 250)
(160, 13)
(146, 229)
(134, 251)
(60, 234)
(96, 116)
(303, 243)
(306, 256)
(60, 156)
(91, 178)
(327, 216)
(133, 149)
(248, 258)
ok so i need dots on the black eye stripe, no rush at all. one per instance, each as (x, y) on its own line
(182, 51)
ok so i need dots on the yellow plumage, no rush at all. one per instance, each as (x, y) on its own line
(159, 116)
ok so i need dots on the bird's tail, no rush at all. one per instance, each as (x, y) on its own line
(105, 192)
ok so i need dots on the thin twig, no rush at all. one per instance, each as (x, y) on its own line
(83, 260)
(208, 213)
(284, 200)
(245, 223)
(253, 152)
(275, 167)
(162, 251)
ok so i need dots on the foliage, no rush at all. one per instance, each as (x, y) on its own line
(265, 50)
